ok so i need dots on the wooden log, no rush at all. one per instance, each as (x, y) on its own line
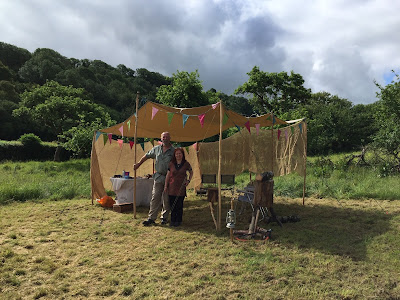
(123, 207)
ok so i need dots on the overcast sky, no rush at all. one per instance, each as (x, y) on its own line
(338, 46)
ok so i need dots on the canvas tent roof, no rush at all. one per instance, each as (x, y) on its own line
(185, 124)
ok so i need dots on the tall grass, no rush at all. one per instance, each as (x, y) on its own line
(326, 178)
(44, 180)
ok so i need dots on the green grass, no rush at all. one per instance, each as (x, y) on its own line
(72, 249)
(346, 245)
(70, 179)
(44, 180)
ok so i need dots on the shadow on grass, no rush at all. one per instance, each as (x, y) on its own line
(342, 230)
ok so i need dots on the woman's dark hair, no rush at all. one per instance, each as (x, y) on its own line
(173, 160)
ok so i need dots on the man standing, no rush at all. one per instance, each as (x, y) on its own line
(162, 154)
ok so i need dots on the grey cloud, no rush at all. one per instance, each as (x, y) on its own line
(344, 73)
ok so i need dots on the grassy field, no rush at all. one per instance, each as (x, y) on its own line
(72, 249)
(54, 244)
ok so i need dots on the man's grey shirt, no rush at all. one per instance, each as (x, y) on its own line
(162, 161)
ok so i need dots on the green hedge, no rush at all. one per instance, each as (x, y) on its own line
(15, 151)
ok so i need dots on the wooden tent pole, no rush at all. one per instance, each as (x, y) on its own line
(135, 153)
(305, 161)
(221, 113)
(272, 143)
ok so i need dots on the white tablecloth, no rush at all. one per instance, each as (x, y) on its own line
(123, 189)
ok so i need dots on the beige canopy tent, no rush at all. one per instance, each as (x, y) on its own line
(252, 148)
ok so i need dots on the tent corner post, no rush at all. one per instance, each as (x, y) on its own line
(135, 153)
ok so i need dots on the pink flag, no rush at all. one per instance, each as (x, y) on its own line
(120, 143)
(121, 129)
(279, 134)
(109, 136)
(214, 105)
(247, 124)
(195, 146)
(131, 143)
(153, 112)
(159, 142)
(257, 128)
(201, 118)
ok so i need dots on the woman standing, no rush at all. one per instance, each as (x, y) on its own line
(175, 184)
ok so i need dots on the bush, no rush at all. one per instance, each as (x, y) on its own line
(30, 140)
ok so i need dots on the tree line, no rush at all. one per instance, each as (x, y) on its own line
(65, 99)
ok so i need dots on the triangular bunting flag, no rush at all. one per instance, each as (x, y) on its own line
(170, 116)
(131, 143)
(109, 137)
(187, 149)
(273, 120)
(195, 146)
(152, 141)
(225, 119)
(121, 129)
(159, 142)
(105, 138)
(214, 105)
(184, 119)
(247, 124)
(301, 129)
(142, 145)
(269, 118)
(153, 112)
(257, 128)
(292, 129)
(129, 125)
(98, 133)
(279, 134)
(120, 143)
(201, 119)
(238, 127)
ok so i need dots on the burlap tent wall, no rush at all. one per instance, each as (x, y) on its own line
(282, 151)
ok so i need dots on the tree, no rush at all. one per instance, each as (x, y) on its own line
(387, 115)
(334, 124)
(78, 139)
(44, 65)
(59, 108)
(186, 90)
(13, 57)
(275, 92)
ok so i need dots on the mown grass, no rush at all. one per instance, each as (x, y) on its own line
(72, 249)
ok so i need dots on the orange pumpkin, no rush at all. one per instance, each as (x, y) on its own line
(106, 201)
